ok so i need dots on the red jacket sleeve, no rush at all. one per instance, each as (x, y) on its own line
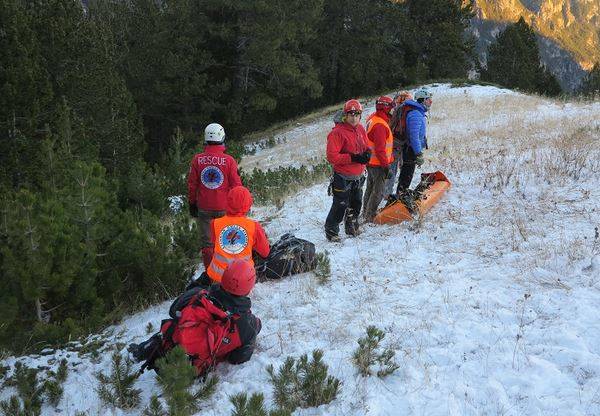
(193, 181)
(261, 242)
(234, 174)
(211, 232)
(334, 146)
(378, 136)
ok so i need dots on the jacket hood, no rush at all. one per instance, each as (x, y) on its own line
(229, 302)
(416, 105)
(239, 201)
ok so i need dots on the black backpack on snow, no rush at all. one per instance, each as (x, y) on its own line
(289, 255)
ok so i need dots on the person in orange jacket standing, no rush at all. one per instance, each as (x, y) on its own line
(380, 142)
(212, 174)
(348, 153)
(235, 236)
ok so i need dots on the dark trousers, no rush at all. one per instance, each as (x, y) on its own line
(391, 181)
(347, 201)
(408, 169)
(204, 219)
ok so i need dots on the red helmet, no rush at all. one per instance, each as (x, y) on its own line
(352, 105)
(384, 103)
(239, 278)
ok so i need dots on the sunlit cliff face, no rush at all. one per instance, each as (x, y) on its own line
(572, 24)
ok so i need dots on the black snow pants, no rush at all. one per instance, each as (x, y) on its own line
(347, 202)
(407, 170)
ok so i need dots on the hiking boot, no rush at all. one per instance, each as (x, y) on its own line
(145, 350)
(203, 282)
(333, 238)
(352, 228)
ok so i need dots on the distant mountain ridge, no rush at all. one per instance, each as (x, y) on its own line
(568, 31)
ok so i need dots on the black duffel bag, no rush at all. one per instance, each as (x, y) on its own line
(289, 255)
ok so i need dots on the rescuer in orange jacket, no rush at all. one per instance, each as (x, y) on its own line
(380, 142)
(235, 236)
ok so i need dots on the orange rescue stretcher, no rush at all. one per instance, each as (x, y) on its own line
(398, 211)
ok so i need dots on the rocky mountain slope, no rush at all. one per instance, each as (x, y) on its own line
(568, 31)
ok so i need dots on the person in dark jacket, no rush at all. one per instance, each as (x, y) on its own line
(348, 152)
(231, 297)
(415, 137)
(212, 174)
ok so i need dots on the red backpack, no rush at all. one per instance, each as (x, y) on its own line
(398, 125)
(205, 332)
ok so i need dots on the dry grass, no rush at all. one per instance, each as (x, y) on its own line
(465, 130)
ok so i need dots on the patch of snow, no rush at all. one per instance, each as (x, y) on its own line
(485, 301)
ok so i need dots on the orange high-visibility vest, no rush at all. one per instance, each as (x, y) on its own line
(234, 239)
(389, 140)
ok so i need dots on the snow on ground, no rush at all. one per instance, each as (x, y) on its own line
(462, 113)
(491, 301)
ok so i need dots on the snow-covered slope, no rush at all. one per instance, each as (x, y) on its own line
(491, 301)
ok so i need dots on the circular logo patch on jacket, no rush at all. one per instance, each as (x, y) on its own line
(233, 239)
(211, 177)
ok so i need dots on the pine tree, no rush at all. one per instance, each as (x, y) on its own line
(53, 385)
(514, 61)
(176, 378)
(360, 50)
(303, 383)
(259, 48)
(25, 95)
(255, 406)
(38, 230)
(368, 354)
(163, 62)
(591, 83)
(155, 408)
(438, 46)
(117, 388)
(29, 398)
(91, 84)
(323, 269)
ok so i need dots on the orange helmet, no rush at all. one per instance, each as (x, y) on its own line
(352, 105)
(402, 96)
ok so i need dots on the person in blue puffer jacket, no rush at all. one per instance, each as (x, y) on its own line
(415, 137)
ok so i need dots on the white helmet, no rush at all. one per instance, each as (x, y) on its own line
(214, 133)
(423, 93)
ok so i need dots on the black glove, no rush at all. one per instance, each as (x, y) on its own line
(362, 158)
(194, 210)
(419, 160)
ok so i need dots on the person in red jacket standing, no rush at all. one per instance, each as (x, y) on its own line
(212, 174)
(380, 142)
(348, 153)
